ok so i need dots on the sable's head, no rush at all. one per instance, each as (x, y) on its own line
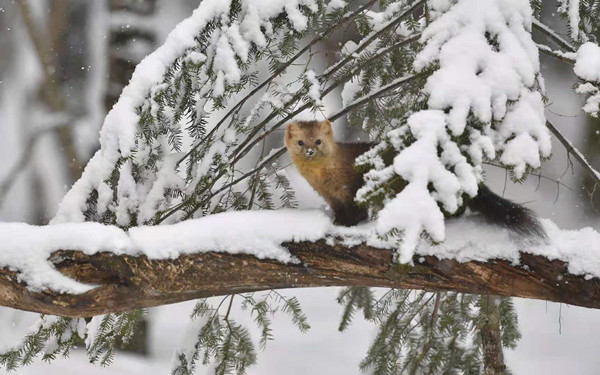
(309, 140)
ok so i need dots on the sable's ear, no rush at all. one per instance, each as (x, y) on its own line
(290, 129)
(326, 127)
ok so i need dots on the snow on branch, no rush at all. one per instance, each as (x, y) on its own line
(114, 270)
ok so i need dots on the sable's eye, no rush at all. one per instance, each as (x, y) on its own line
(300, 143)
(318, 142)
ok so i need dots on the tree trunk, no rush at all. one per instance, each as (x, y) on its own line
(128, 282)
(491, 339)
(47, 46)
(129, 42)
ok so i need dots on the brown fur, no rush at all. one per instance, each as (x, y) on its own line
(330, 167)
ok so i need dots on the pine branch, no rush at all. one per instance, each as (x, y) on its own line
(247, 145)
(382, 91)
(489, 329)
(375, 37)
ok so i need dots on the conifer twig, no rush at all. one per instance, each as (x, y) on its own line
(375, 36)
(567, 57)
(395, 84)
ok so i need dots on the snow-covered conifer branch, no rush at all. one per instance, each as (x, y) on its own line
(567, 57)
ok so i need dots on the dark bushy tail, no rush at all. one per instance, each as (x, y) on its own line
(507, 214)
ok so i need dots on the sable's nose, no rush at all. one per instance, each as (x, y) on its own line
(310, 152)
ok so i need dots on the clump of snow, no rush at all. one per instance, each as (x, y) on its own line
(485, 88)
(415, 209)
(592, 103)
(587, 64)
(314, 90)
(257, 13)
(336, 4)
(587, 67)
(259, 233)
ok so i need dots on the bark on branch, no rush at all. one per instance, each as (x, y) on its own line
(127, 282)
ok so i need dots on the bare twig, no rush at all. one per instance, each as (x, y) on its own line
(572, 150)
(538, 175)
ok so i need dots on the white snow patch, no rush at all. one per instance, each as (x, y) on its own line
(259, 233)
(314, 89)
(26, 248)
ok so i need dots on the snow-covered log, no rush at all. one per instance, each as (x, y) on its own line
(152, 266)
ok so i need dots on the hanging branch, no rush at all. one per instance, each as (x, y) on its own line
(354, 105)
(245, 146)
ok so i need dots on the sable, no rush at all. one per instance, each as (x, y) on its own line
(328, 166)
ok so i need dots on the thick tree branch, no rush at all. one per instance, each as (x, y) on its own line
(127, 282)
